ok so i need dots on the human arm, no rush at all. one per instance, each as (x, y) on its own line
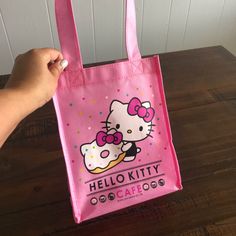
(32, 83)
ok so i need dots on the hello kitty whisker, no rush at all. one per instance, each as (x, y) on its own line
(105, 127)
(151, 130)
(149, 135)
(152, 125)
(106, 122)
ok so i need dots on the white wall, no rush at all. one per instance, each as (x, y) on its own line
(163, 26)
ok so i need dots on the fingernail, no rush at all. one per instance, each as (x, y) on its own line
(63, 63)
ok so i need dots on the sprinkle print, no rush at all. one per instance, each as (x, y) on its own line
(81, 113)
(89, 128)
(127, 95)
(75, 146)
(68, 124)
(165, 148)
(78, 131)
(118, 90)
(70, 104)
(83, 98)
(100, 113)
(72, 161)
(106, 97)
(141, 93)
(90, 117)
(150, 86)
(93, 101)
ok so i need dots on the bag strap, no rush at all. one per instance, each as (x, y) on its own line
(68, 34)
(131, 33)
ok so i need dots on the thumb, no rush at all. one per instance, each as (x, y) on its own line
(57, 67)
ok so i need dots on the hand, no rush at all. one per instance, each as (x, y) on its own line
(32, 83)
(35, 75)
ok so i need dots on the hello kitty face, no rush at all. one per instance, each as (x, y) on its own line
(133, 119)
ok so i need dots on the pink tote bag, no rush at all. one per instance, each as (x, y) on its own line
(113, 125)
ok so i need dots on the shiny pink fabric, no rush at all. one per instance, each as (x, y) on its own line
(113, 125)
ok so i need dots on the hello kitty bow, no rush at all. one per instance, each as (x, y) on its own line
(135, 107)
(102, 138)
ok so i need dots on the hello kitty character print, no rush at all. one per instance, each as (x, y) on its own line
(126, 124)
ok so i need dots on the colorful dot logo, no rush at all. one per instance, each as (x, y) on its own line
(153, 184)
(111, 196)
(93, 201)
(161, 182)
(145, 186)
(102, 198)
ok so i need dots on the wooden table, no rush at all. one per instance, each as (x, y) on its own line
(201, 96)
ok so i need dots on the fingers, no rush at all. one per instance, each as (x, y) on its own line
(57, 67)
(47, 54)
(18, 57)
(51, 58)
(51, 54)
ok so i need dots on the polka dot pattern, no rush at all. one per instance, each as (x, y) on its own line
(120, 94)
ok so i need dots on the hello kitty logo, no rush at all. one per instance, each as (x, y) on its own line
(126, 124)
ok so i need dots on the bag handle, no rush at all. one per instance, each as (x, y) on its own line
(68, 34)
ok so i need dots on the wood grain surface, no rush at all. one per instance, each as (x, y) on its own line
(200, 89)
